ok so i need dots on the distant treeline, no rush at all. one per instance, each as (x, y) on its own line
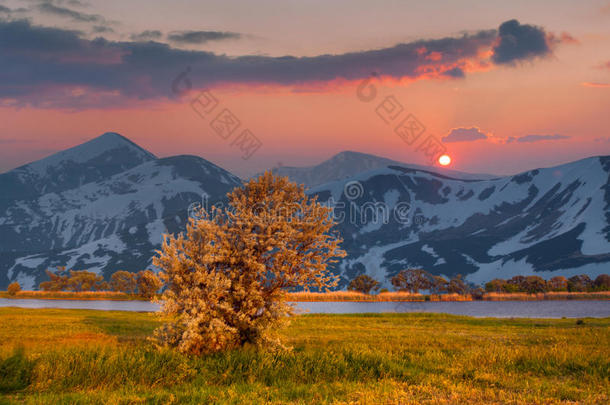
(144, 283)
(536, 284)
(415, 280)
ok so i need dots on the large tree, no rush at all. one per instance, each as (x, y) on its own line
(228, 275)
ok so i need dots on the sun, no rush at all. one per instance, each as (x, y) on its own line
(444, 160)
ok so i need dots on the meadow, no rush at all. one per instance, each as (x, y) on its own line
(90, 357)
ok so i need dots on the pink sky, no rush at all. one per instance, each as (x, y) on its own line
(564, 97)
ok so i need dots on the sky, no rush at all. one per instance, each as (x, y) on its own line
(501, 87)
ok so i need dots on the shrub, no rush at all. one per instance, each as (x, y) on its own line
(13, 288)
(363, 284)
(148, 283)
(227, 276)
(123, 281)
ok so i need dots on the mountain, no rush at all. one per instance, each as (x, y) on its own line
(553, 221)
(347, 164)
(102, 206)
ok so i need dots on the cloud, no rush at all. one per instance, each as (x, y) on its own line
(200, 37)
(50, 8)
(4, 9)
(464, 135)
(595, 84)
(536, 138)
(147, 35)
(50, 67)
(517, 42)
(100, 29)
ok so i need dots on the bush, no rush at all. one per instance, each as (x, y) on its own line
(227, 277)
(13, 288)
(363, 284)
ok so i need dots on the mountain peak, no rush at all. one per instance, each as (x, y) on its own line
(96, 159)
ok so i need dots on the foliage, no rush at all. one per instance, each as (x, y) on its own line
(83, 280)
(13, 288)
(412, 280)
(58, 281)
(123, 281)
(148, 283)
(457, 285)
(363, 284)
(579, 283)
(602, 282)
(227, 276)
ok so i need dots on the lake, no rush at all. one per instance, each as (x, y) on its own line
(494, 309)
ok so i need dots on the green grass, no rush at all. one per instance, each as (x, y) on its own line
(81, 356)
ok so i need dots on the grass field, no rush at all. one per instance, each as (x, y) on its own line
(84, 356)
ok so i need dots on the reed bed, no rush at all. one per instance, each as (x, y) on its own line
(72, 295)
(554, 295)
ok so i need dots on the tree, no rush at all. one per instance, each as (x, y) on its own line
(602, 282)
(558, 283)
(516, 284)
(58, 281)
(457, 285)
(534, 284)
(579, 283)
(83, 280)
(412, 280)
(227, 277)
(13, 288)
(123, 281)
(148, 283)
(363, 284)
(496, 285)
(438, 285)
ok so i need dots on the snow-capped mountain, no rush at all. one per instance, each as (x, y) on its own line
(553, 221)
(347, 164)
(102, 206)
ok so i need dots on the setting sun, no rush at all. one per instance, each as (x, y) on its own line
(444, 160)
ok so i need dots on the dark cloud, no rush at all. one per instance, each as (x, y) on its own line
(518, 42)
(100, 29)
(464, 135)
(50, 8)
(146, 36)
(200, 37)
(4, 9)
(536, 138)
(45, 66)
(455, 72)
